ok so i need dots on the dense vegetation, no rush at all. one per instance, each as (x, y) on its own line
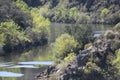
(79, 56)
(21, 26)
(80, 11)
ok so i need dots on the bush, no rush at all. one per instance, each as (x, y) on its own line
(70, 57)
(115, 45)
(83, 34)
(110, 35)
(22, 5)
(117, 27)
(41, 27)
(91, 67)
(87, 45)
(41, 24)
(64, 45)
(10, 33)
(116, 62)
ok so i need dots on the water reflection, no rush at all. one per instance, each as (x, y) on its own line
(22, 70)
(3, 65)
(26, 65)
(23, 66)
(37, 63)
(10, 74)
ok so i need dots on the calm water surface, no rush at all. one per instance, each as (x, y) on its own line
(24, 66)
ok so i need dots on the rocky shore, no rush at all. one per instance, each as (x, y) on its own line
(93, 63)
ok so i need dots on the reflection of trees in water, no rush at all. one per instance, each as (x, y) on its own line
(6, 78)
(41, 53)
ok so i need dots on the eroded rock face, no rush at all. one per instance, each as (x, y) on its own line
(90, 64)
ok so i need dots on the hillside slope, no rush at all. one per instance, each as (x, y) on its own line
(99, 11)
(100, 61)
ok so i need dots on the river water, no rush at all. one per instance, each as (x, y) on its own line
(24, 66)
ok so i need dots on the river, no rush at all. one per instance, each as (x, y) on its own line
(24, 66)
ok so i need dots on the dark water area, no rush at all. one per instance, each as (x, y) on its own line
(24, 66)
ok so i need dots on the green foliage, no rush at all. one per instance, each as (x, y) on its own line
(110, 35)
(62, 67)
(88, 45)
(91, 67)
(2, 38)
(22, 5)
(116, 62)
(73, 13)
(77, 16)
(44, 11)
(70, 57)
(77, 10)
(14, 70)
(11, 33)
(64, 45)
(10, 11)
(60, 14)
(115, 44)
(82, 33)
(83, 18)
(117, 27)
(22, 25)
(41, 27)
(104, 13)
(118, 57)
(41, 24)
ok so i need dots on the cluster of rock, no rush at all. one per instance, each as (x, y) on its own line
(91, 63)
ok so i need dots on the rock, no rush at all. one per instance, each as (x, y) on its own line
(100, 50)
(65, 76)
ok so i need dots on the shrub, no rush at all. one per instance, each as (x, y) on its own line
(70, 57)
(83, 34)
(91, 67)
(77, 16)
(116, 62)
(64, 45)
(115, 45)
(110, 35)
(117, 27)
(87, 45)
(10, 33)
(22, 5)
(104, 13)
(41, 24)
(62, 68)
(41, 27)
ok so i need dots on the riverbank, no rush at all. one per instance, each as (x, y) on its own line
(97, 62)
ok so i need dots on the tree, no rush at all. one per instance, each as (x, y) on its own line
(10, 33)
(22, 5)
(104, 13)
(117, 27)
(41, 27)
(82, 33)
(64, 45)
